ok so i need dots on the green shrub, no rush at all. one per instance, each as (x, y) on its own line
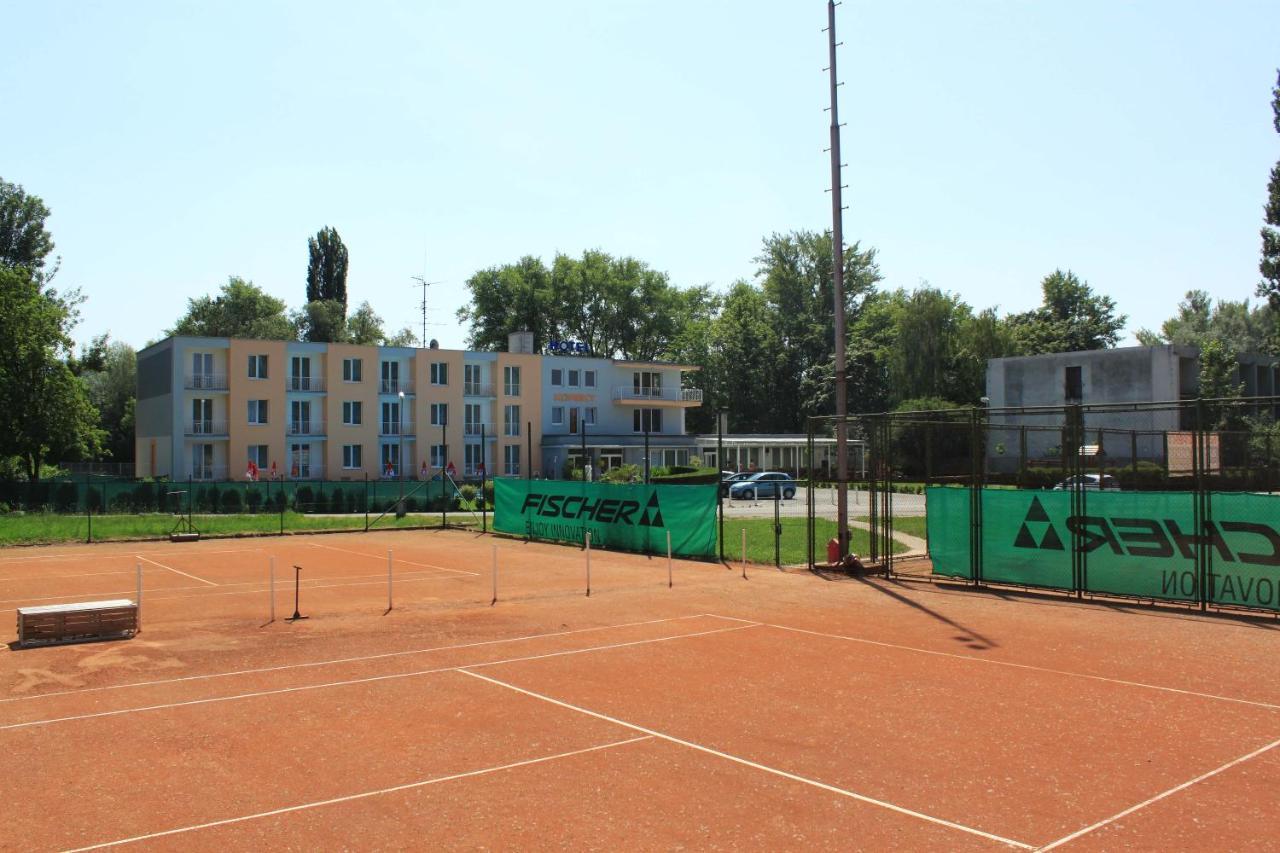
(94, 500)
(66, 498)
(622, 474)
(207, 498)
(144, 497)
(304, 499)
(468, 492)
(253, 500)
(232, 502)
(337, 501)
(122, 503)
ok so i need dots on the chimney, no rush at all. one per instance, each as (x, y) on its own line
(520, 342)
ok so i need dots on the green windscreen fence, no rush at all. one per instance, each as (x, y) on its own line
(1142, 544)
(630, 517)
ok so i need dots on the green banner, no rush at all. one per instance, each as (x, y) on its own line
(1140, 544)
(629, 517)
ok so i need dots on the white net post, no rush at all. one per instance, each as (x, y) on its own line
(744, 552)
(668, 559)
(495, 576)
(271, 587)
(138, 629)
(389, 562)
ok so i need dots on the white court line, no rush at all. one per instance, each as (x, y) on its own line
(94, 555)
(362, 795)
(1269, 706)
(337, 661)
(748, 763)
(397, 559)
(350, 681)
(176, 571)
(1158, 797)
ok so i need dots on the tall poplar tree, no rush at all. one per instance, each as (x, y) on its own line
(1269, 266)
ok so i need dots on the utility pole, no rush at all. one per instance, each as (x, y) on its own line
(837, 276)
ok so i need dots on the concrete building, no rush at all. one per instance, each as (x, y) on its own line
(213, 408)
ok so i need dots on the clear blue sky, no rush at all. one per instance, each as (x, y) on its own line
(988, 143)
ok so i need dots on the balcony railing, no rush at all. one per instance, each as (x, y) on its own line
(205, 382)
(477, 389)
(512, 429)
(396, 428)
(208, 472)
(309, 471)
(476, 428)
(206, 426)
(395, 386)
(664, 395)
(304, 383)
(306, 427)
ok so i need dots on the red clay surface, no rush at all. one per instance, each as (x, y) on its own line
(782, 711)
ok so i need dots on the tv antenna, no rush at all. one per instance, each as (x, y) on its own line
(424, 284)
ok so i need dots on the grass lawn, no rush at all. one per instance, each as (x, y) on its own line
(39, 528)
(912, 525)
(794, 549)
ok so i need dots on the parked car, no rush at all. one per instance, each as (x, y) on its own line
(1092, 482)
(728, 478)
(765, 484)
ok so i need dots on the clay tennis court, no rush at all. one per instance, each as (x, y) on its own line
(782, 710)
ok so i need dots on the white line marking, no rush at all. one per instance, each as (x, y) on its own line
(337, 661)
(176, 571)
(398, 559)
(748, 763)
(1073, 836)
(363, 795)
(350, 681)
(1026, 666)
(92, 555)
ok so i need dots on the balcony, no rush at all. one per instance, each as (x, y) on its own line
(206, 473)
(395, 386)
(305, 427)
(395, 428)
(476, 429)
(304, 383)
(206, 426)
(306, 472)
(205, 382)
(629, 395)
(477, 389)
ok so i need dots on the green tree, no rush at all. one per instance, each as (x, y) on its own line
(1269, 265)
(322, 321)
(45, 413)
(745, 362)
(364, 326)
(982, 337)
(509, 298)
(1071, 318)
(241, 310)
(924, 360)
(327, 268)
(1220, 380)
(1240, 327)
(111, 385)
(24, 242)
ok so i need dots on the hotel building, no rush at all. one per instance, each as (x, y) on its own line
(218, 408)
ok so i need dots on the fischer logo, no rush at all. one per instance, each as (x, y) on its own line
(1150, 538)
(603, 511)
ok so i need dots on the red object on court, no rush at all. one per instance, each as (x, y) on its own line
(833, 551)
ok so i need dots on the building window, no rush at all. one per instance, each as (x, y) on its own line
(473, 458)
(257, 411)
(257, 367)
(439, 414)
(390, 418)
(390, 460)
(573, 379)
(557, 415)
(511, 381)
(589, 378)
(351, 369)
(511, 460)
(471, 384)
(557, 377)
(259, 456)
(300, 373)
(646, 420)
(439, 373)
(510, 420)
(390, 377)
(589, 416)
(351, 456)
(646, 384)
(352, 412)
(1074, 384)
(437, 456)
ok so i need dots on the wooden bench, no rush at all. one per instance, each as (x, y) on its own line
(80, 622)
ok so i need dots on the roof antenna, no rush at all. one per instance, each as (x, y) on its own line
(424, 284)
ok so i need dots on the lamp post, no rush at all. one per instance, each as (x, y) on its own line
(401, 429)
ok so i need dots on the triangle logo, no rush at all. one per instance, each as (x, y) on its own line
(1036, 511)
(1025, 539)
(1051, 540)
(654, 520)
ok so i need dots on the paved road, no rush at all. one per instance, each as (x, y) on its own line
(825, 505)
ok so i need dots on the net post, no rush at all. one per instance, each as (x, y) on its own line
(668, 559)
(495, 576)
(744, 552)
(588, 540)
(138, 569)
(389, 563)
(271, 586)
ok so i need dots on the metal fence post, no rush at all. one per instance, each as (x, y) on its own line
(484, 508)
(719, 477)
(444, 471)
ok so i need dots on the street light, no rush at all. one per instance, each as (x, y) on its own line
(401, 412)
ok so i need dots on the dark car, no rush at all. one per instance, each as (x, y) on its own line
(728, 478)
(765, 484)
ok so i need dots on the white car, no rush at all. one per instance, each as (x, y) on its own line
(1092, 482)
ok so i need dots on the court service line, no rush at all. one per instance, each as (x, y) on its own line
(1158, 797)
(176, 571)
(752, 764)
(351, 681)
(397, 559)
(362, 795)
(337, 661)
(1031, 667)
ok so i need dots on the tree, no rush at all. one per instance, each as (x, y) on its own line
(1071, 318)
(1220, 380)
(111, 387)
(327, 268)
(24, 242)
(1269, 265)
(364, 327)
(44, 410)
(1236, 325)
(509, 298)
(745, 362)
(322, 321)
(923, 362)
(242, 310)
